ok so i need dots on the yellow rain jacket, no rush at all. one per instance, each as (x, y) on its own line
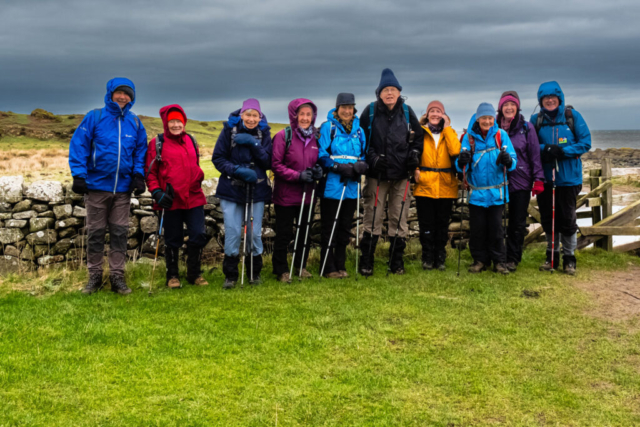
(438, 184)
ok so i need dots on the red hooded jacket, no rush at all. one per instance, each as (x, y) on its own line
(179, 166)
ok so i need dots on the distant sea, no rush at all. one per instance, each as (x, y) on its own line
(615, 139)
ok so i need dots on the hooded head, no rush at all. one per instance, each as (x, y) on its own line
(551, 88)
(293, 111)
(114, 84)
(171, 110)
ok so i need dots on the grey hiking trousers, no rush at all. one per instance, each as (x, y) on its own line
(394, 190)
(112, 210)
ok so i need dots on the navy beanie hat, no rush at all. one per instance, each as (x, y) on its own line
(485, 109)
(388, 79)
(125, 89)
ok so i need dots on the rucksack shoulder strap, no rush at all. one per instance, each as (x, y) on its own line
(371, 114)
(568, 115)
(288, 137)
(407, 117)
(195, 147)
(499, 139)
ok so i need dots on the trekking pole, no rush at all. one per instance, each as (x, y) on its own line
(251, 188)
(504, 195)
(244, 239)
(306, 234)
(375, 208)
(295, 243)
(393, 244)
(358, 226)
(333, 228)
(155, 258)
(464, 183)
(553, 211)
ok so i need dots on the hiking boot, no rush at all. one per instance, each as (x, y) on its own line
(229, 284)
(194, 265)
(284, 278)
(477, 267)
(367, 249)
(333, 275)
(399, 271)
(343, 274)
(174, 283)
(427, 265)
(200, 281)
(119, 285)
(304, 274)
(366, 272)
(441, 266)
(257, 280)
(94, 284)
(547, 263)
(569, 264)
(511, 266)
(501, 268)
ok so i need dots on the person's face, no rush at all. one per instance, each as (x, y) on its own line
(434, 116)
(175, 127)
(305, 117)
(486, 122)
(550, 102)
(509, 109)
(251, 118)
(345, 112)
(389, 96)
(120, 98)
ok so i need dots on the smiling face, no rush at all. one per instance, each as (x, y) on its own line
(550, 102)
(434, 116)
(120, 98)
(389, 95)
(250, 118)
(305, 117)
(175, 127)
(346, 112)
(486, 122)
(509, 109)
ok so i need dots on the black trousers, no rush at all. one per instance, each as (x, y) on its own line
(337, 256)
(433, 219)
(566, 218)
(486, 241)
(286, 216)
(173, 227)
(517, 228)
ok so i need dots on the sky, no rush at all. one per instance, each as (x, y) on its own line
(209, 56)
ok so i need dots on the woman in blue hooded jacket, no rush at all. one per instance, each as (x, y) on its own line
(242, 156)
(564, 136)
(486, 156)
(342, 154)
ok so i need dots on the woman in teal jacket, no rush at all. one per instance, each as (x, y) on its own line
(564, 136)
(342, 154)
(486, 155)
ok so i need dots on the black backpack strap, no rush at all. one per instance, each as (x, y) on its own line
(234, 132)
(158, 158)
(195, 147)
(288, 137)
(568, 115)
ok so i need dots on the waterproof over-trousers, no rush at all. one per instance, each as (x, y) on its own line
(286, 216)
(486, 240)
(433, 219)
(517, 227)
(337, 255)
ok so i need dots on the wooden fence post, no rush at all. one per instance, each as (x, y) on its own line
(607, 202)
(596, 212)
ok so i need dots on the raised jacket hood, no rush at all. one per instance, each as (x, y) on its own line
(164, 113)
(113, 107)
(474, 130)
(293, 112)
(552, 88)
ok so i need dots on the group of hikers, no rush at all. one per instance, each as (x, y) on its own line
(502, 159)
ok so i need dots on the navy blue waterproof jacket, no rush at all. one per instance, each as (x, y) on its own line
(110, 145)
(483, 171)
(556, 131)
(344, 148)
(227, 155)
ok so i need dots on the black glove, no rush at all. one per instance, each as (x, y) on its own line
(306, 176)
(360, 167)
(345, 170)
(380, 164)
(164, 199)
(79, 186)
(553, 152)
(412, 161)
(504, 158)
(464, 158)
(317, 172)
(137, 184)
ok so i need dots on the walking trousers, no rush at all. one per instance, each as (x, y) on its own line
(394, 191)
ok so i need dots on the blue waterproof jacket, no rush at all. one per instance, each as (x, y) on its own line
(110, 145)
(227, 155)
(483, 171)
(352, 146)
(556, 131)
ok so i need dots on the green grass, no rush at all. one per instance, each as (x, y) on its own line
(420, 349)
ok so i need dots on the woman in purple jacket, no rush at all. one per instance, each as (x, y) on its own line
(527, 178)
(295, 153)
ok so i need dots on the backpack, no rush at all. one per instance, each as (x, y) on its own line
(372, 110)
(288, 137)
(568, 115)
(160, 144)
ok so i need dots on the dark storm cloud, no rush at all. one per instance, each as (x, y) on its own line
(209, 56)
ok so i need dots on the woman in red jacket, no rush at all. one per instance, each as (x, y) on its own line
(174, 180)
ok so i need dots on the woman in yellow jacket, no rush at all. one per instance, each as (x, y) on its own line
(436, 185)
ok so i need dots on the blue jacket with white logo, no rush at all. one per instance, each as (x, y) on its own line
(556, 131)
(344, 148)
(110, 145)
(483, 171)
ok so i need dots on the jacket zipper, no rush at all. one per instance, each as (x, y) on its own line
(94, 155)
(119, 150)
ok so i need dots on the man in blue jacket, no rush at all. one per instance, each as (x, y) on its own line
(107, 156)
(564, 136)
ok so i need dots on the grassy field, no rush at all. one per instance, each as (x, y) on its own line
(420, 349)
(37, 148)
